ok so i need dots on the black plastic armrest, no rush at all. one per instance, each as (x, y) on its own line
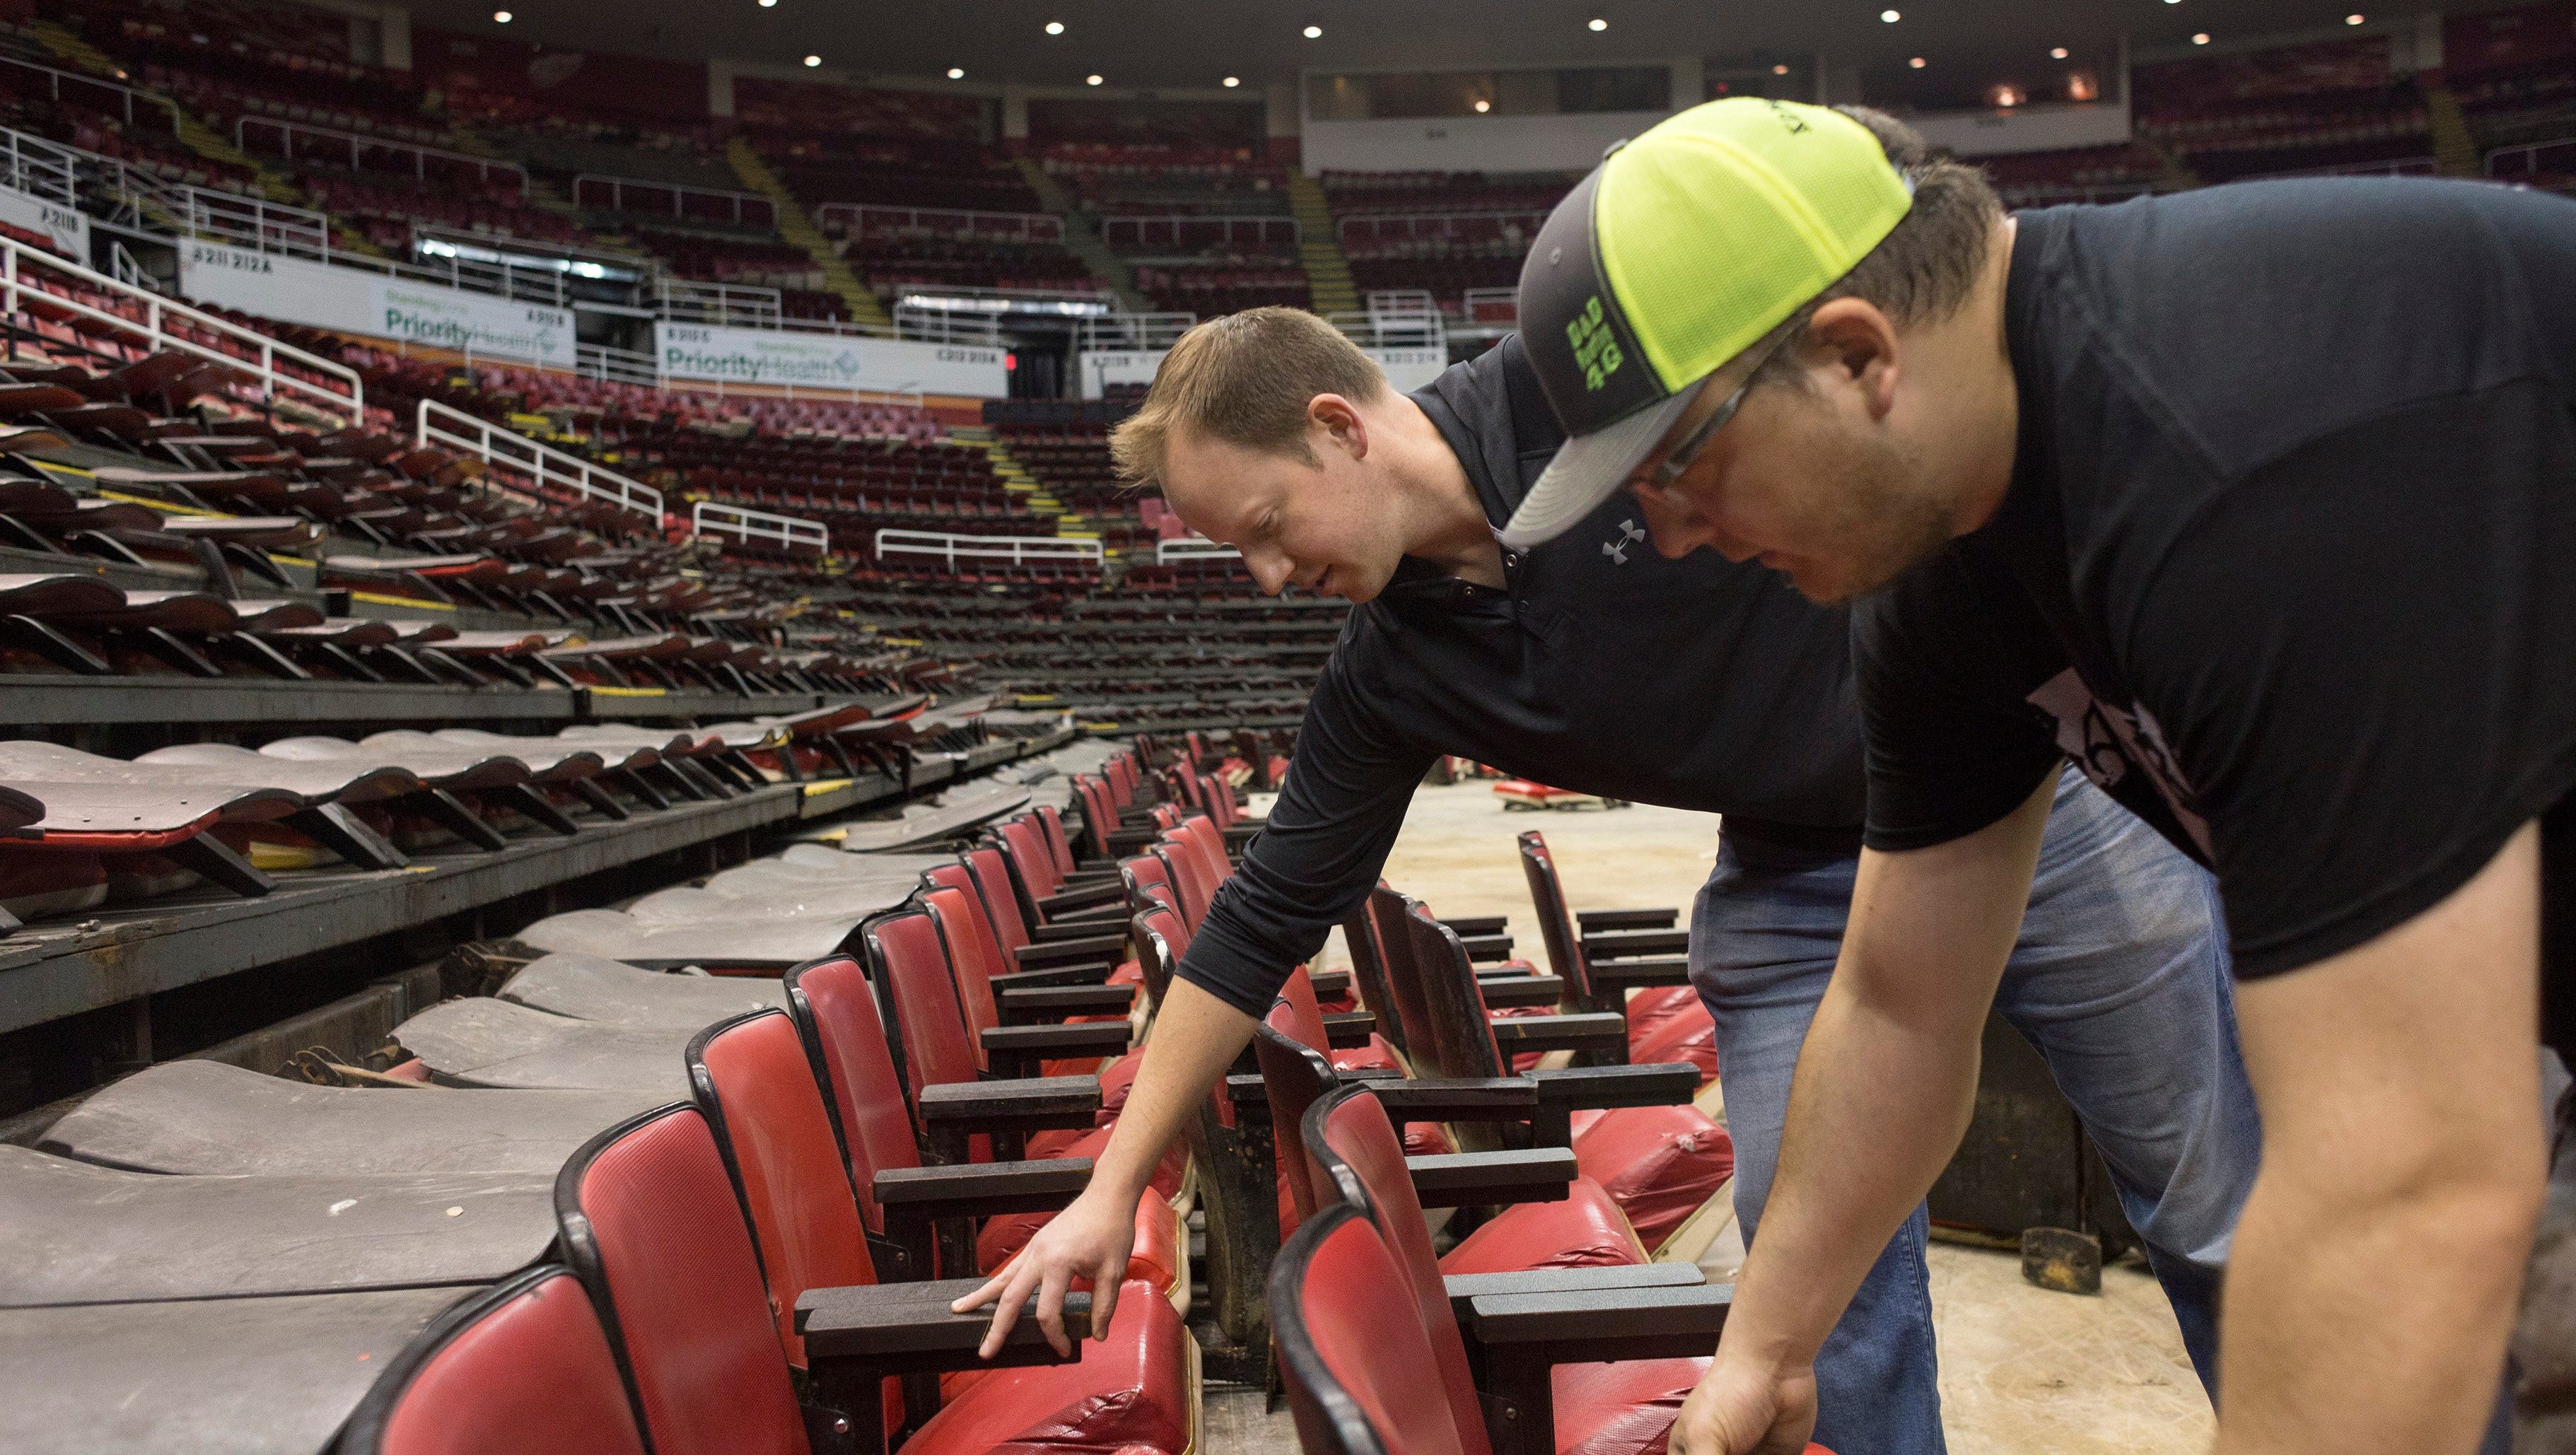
(1463, 1179)
(1484, 948)
(1035, 1103)
(1344, 1030)
(1243, 833)
(1637, 974)
(1090, 949)
(1091, 973)
(981, 1189)
(1478, 924)
(1050, 1002)
(1073, 924)
(861, 1335)
(1594, 921)
(1329, 984)
(1596, 1088)
(1107, 891)
(1599, 1031)
(1506, 990)
(1588, 1326)
(1249, 1094)
(1463, 1099)
(1464, 1287)
(1614, 944)
(1087, 1038)
(1128, 841)
(1087, 873)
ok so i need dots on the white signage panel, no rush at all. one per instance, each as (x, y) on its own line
(1098, 369)
(355, 300)
(828, 361)
(1410, 369)
(65, 224)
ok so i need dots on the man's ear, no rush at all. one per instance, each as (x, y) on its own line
(1851, 344)
(1340, 421)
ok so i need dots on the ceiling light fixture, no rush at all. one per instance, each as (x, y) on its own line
(500, 17)
(1918, 63)
(813, 60)
(768, 4)
(1781, 69)
(2200, 38)
(1233, 81)
(1055, 27)
(957, 73)
(2058, 54)
(2355, 18)
(1483, 106)
(1891, 16)
(1092, 80)
(1314, 32)
(1596, 23)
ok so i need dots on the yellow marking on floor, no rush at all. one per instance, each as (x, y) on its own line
(375, 599)
(629, 692)
(828, 785)
(163, 506)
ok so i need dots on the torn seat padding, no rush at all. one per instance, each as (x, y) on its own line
(1585, 1230)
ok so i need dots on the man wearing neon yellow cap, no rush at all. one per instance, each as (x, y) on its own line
(2257, 503)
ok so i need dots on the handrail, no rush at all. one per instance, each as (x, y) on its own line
(546, 469)
(788, 532)
(39, 167)
(612, 365)
(1193, 548)
(1177, 228)
(358, 141)
(680, 193)
(1381, 226)
(1124, 332)
(1018, 550)
(958, 222)
(746, 305)
(1492, 305)
(131, 94)
(25, 269)
(2530, 154)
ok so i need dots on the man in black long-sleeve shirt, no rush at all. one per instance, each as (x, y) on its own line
(1269, 431)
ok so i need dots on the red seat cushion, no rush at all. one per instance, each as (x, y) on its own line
(530, 1377)
(1659, 1163)
(1155, 1258)
(1586, 1230)
(1621, 1409)
(1649, 1010)
(1681, 1037)
(1375, 1056)
(1117, 1078)
(1129, 1393)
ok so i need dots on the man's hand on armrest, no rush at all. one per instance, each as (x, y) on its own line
(2376, 1269)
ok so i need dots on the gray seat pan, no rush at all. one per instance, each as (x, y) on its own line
(925, 826)
(545, 757)
(482, 1042)
(835, 899)
(612, 992)
(446, 766)
(235, 1376)
(81, 1233)
(206, 1117)
(344, 780)
(822, 859)
(610, 756)
(771, 879)
(746, 943)
(154, 806)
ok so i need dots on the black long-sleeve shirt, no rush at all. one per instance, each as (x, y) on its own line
(1601, 667)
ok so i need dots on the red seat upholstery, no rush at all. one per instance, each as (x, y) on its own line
(1682, 1036)
(1621, 1409)
(1063, 1407)
(1345, 1322)
(1659, 1163)
(1585, 1230)
(522, 1370)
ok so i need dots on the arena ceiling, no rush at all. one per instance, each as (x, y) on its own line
(1193, 44)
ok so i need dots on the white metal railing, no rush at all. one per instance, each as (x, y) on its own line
(126, 96)
(616, 366)
(787, 532)
(1120, 332)
(545, 469)
(1183, 233)
(128, 269)
(2533, 159)
(1395, 319)
(1017, 550)
(1087, 302)
(252, 222)
(282, 371)
(941, 325)
(1364, 228)
(357, 144)
(1494, 307)
(40, 168)
(687, 203)
(747, 305)
(874, 218)
(1193, 548)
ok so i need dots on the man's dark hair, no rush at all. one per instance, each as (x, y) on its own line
(1923, 271)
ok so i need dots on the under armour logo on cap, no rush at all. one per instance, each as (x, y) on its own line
(1617, 550)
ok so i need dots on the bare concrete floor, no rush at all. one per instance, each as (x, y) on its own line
(2023, 1371)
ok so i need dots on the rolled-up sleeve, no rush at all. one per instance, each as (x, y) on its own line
(1318, 857)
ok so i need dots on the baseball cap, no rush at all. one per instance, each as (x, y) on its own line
(1682, 249)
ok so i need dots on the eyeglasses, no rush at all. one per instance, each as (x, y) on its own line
(1686, 452)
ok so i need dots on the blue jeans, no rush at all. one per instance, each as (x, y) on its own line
(2122, 981)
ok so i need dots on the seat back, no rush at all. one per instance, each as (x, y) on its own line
(1352, 1356)
(522, 1369)
(1203, 834)
(1159, 940)
(974, 958)
(1359, 1156)
(1189, 879)
(758, 1094)
(1556, 928)
(1368, 969)
(1143, 874)
(1462, 1029)
(1027, 844)
(1296, 1073)
(907, 954)
(997, 890)
(845, 1037)
(650, 1221)
(1059, 844)
(1390, 913)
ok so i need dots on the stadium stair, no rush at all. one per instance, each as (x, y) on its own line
(800, 231)
(1319, 249)
(2453, 146)
(1082, 239)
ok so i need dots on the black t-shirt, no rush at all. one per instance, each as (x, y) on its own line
(2288, 562)
(1600, 667)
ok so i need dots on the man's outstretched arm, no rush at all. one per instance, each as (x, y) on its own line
(2379, 1261)
(1196, 1036)
(1886, 1082)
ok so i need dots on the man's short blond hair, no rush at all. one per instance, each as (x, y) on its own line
(1245, 379)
